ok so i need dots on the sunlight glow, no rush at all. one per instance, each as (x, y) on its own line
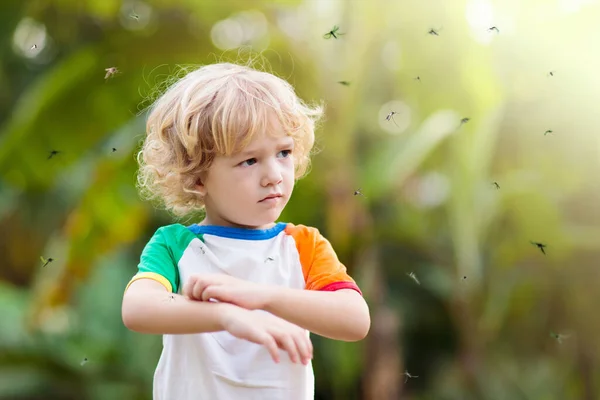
(573, 6)
(428, 191)
(135, 15)
(247, 28)
(29, 38)
(480, 17)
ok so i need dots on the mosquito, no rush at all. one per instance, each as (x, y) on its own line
(409, 376)
(334, 32)
(551, 73)
(548, 131)
(110, 72)
(269, 259)
(345, 83)
(540, 246)
(359, 193)
(54, 153)
(433, 32)
(390, 117)
(418, 78)
(496, 184)
(114, 150)
(413, 277)
(46, 262)
(170, 298)
(464, 120)
(493, 28)
(559, 337)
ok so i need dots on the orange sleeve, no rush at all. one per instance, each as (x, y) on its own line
(320, 265)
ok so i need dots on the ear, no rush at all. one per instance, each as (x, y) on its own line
(200, 187)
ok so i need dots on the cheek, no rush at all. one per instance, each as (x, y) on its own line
(240, 182)
(290, 176)
(291, 168)
(219, 184)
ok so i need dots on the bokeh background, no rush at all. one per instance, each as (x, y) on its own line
(456, 202)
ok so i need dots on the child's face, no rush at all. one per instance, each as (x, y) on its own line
(237, 188)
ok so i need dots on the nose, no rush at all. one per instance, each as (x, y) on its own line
(271, 173)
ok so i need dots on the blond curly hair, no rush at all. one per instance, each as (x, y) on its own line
(216, 110)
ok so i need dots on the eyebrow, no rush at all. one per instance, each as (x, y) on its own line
(283, 144)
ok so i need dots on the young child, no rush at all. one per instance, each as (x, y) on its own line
(231, 291)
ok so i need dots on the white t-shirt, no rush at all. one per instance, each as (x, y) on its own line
(217, 365)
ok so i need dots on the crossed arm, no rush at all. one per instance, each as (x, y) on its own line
(341, 315)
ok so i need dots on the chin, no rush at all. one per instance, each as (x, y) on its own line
(262, 223)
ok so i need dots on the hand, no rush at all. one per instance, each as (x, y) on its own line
(225, 288)
(270, 331)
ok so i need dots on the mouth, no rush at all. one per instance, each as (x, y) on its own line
(271, 197)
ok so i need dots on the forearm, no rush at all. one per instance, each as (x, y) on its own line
(171, 314)
(341, 315)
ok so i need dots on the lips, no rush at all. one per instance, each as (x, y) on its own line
(271, 196)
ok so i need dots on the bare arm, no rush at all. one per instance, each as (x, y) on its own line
(149, 308)
(340, 315)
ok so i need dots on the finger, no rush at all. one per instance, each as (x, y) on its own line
(213, 292)
(269, 342)
(189, 286)
(304, 347)
(199, 287)
(289, 344)
(310, 345)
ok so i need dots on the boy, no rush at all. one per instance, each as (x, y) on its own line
(231, 291)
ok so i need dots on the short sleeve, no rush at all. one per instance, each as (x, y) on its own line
(320, 265)
(157, 261)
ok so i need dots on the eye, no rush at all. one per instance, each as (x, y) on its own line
(248, 162)
(284, 153)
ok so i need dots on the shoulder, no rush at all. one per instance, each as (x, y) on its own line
(174, 231)
(309, 242)
(173, 236)
(303, 233)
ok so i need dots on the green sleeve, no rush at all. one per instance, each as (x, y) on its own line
(158, 258)
(161, 255)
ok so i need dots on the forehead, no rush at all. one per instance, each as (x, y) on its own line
(266, 140)
(270, 132)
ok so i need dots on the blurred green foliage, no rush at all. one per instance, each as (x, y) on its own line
(477, 326)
